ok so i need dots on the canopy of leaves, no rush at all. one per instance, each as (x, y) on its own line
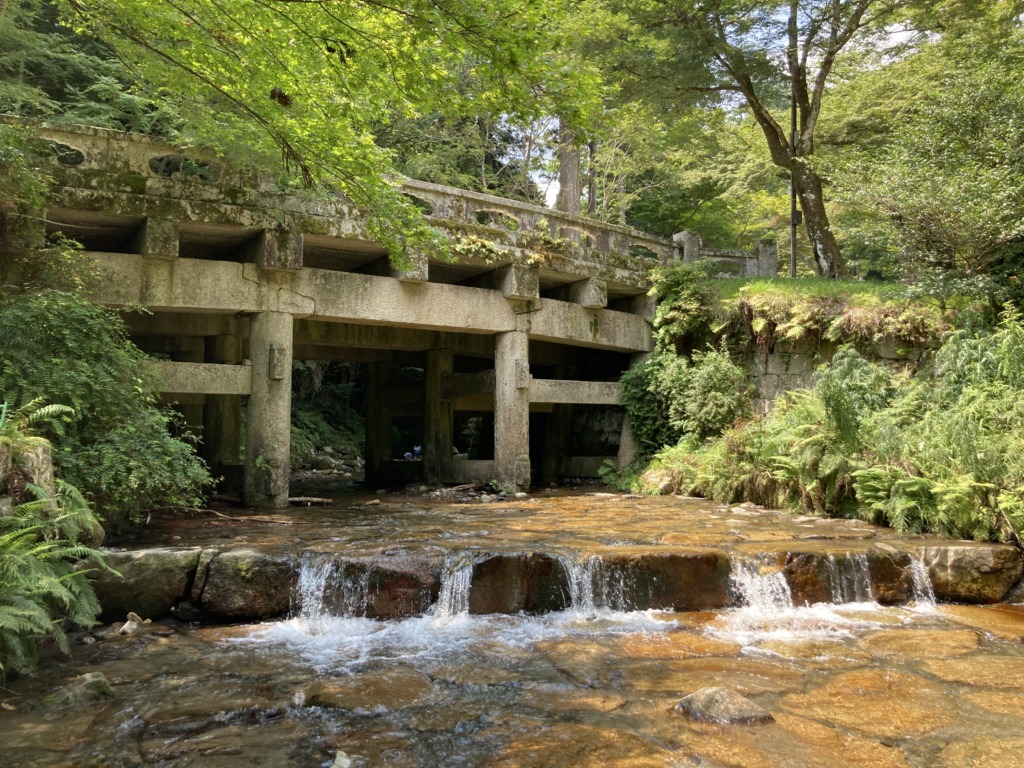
(309, 82)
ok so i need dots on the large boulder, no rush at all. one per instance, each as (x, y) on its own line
(823, 577)
(677, 581)
(510, 583)
(399, 587)
(248, 584)
(972, 573)
(148, 581)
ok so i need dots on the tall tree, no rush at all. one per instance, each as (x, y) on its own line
(309, 80)
(721, 49)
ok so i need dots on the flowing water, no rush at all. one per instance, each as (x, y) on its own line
(848, 681)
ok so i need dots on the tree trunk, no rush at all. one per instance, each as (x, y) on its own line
(569, 188)
(825, 250)
(592, 179)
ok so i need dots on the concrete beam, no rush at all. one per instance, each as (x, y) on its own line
(157, 238)
(468, 471)
(203, 378)
(468, 384)
(566, 323)
(519, 281)
(574, 392)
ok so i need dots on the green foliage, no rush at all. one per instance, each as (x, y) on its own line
(668, 396)
(943, 452)
(311, 83)
(717, 394)
(685, 304)
(118, 450)
(40, 543)
(325, 408)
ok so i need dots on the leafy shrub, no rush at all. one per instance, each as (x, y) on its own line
(943, 452)
(40, 543)
(118, 450)
(717, 394)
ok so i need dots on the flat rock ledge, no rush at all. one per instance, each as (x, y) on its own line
(723, 706)
(246, 584)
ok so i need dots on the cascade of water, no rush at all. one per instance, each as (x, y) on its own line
(581, 575)
(456, 579)
(760, 586)
(921, 582)
(851, 578)
(328, 586)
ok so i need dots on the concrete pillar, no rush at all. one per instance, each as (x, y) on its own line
(222, 415)
(512, 407)
(439, 415)
(767, 258)
(377, 450)
(689, 243)
(268, 416)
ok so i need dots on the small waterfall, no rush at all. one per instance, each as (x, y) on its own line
(760, 586)
(921, 584)
(850, 578)
(594, 586)
(328, 586)
(456, 579)
(581, 574)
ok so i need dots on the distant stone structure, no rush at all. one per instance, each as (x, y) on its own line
(240, 277)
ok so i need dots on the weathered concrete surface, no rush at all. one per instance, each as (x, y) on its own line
(203, 378)
(972, 573)
(248, 584)
(150, 581)
(268, 415)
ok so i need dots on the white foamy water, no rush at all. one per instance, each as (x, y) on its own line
(767, 614)
(350, 643)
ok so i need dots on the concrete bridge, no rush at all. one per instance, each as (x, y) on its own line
(541, 313)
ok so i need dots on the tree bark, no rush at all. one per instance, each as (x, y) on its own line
(824, 248)
(569, 188)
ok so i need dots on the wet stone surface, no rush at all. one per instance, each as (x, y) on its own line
(592, 683)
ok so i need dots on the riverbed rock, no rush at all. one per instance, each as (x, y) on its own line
(90, 687)
(150, 581)
(660, 481)
(677, 581)
(722, 705)
(972, 573)
(824, 577)
(510, 583)
(401, 586)
(247, 584)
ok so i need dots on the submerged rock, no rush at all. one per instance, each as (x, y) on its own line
(92, 686)
(722, 705)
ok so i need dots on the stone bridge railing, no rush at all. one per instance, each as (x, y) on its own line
(145, 165)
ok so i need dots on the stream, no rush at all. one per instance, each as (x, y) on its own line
(848, 681)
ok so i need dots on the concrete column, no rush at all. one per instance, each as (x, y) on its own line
(222, 415)
(377, 450)
(767, 258)
(689, 243)
(439, 415)
(512, 407)
(268, 416)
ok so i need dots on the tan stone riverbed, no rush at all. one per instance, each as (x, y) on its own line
(856, 684)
